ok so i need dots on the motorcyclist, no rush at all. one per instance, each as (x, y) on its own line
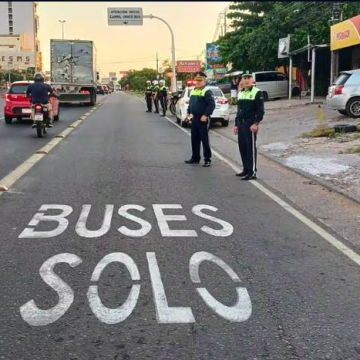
(40, 94)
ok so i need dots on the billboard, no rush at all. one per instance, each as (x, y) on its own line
(213, 58)
(17, 59)
(188, 66)
(345, 34)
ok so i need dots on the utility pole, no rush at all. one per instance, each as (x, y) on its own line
(337, 16)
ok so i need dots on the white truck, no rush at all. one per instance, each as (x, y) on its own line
(73, 70)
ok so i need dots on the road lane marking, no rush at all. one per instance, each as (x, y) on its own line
(10, 179)
(339, 245)
(165, 313)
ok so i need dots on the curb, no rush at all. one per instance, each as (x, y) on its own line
(310, 177)
(303, 174)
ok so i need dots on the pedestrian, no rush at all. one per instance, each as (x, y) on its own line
(201, 106)
(155, 95)
(163, 94)
(250, 113)
(148, 96)
(234, 90)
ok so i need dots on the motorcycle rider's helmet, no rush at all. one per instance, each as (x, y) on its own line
(148, 82)
(39, 77)
(162, 82)
(155, 82)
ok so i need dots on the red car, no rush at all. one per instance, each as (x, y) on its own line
(17, 105)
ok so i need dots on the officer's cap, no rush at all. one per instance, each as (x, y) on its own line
(247, 74)
(200, 76)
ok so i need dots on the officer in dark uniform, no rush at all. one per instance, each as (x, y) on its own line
(163, 94)
(201, 106)
(249, 114)
(155, 95)
(148, 96)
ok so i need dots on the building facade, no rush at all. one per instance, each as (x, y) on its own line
(345, 42)
(19, 43)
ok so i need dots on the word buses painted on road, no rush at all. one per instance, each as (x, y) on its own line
(165, 314)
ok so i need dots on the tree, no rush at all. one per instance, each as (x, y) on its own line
(258, 26)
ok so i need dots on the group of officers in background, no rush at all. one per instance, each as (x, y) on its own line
(156, 93)
(250, 112)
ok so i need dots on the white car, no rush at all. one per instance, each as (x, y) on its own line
(221, 112)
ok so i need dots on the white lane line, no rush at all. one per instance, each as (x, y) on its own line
(352, 255)
(10, 179)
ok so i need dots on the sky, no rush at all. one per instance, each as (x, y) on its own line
(120, 48)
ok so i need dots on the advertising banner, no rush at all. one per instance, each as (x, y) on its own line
(345, 34)
(188, 66)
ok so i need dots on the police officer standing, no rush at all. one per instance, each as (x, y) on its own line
(163, 93)
(201, 106)
(155, 95)
(249, 114)
(148, 96)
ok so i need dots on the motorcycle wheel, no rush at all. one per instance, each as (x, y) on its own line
(173, 108)
(39, 129)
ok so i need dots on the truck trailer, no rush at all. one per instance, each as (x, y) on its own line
(73, 70)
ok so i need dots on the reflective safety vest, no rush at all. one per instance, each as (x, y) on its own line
(163, 91)
(148, 89)
(155, 89)
(199, 92)
(248, 94)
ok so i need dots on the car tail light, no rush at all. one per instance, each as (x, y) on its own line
(222, 101)
(38, 107)
(338, 89)
(12, 97)
(84, 92)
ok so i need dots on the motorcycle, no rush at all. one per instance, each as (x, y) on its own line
(41, 119)
(173, 100)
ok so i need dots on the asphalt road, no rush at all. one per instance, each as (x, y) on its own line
(18, 141)
(146, 257)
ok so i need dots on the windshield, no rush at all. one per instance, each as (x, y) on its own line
(18, 89)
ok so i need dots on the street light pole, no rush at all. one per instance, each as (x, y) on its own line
(62, 27)
(172, 48)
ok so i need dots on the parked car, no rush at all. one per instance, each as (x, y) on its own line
(344, 94)
(221, 112)
(274, 84)
(18, 106)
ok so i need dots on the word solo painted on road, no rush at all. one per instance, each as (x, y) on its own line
(165, 314)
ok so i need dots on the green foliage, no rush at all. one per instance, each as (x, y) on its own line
(136, 79)
(253, 43)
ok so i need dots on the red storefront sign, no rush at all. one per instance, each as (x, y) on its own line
(190, 66)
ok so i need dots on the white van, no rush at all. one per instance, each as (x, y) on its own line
(274, 84)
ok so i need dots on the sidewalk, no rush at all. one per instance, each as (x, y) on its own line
(325, 159)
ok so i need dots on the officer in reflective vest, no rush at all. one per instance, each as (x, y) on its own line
(163, 93)
(201, 106)
(148, 94)
(155, 95)
(249, 114)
